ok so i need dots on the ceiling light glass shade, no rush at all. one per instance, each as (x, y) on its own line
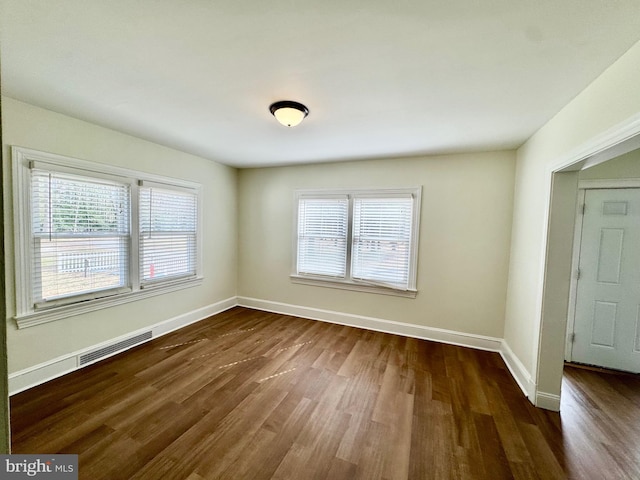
(289, 113)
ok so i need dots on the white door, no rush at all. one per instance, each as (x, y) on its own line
(607, 313)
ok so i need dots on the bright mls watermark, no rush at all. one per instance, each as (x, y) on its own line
(51, 467)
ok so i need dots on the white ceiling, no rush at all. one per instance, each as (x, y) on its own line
(380, 78)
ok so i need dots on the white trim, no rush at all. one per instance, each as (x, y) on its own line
(451, 337)
(67, 170)
(65, 311)
(358, 191)
(194, 193)
(624, 131)
(518, 371)
(76, 164)
(609, 183)
(480, 342)
(43, 372)
(194, 316)
(548, 401)
(351, 285)
(348, 283)
(573, 285)
(38, 374)
(26, 312)
(21, 243)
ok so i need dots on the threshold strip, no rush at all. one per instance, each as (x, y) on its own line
(180, 344)
(276, 375)
(294, 346)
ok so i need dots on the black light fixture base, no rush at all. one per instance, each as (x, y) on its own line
(288, 104)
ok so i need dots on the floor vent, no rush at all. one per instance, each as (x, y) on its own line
(111, 349)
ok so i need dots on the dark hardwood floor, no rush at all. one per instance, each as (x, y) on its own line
(254, 395)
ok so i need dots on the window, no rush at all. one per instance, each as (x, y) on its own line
(322, 236)
(168, 233)
(80, 236)
(89, 236)
(361, 240)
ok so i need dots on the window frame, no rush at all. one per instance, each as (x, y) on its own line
(340, 198)
(348, 283)
(181, 190)
(39, 303)
(27, 314)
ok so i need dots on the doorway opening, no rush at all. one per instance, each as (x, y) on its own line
(616, 166)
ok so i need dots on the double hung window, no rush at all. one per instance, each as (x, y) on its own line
(168, 233)
(361, 239)
(89, 235)
(322, 235)
(80, 236)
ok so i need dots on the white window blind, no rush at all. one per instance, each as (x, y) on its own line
(361, 239)
(81, 244)
(168, 233)
(381, 245)
(322, 236)
(80, 236)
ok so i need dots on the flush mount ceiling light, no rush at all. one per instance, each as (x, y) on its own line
(289, 113)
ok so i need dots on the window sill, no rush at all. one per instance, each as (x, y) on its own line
(347, 285)
(56, 313)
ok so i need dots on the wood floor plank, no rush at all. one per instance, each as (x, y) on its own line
(514, 446)
(256, 395)
(371, 462)
(491, 449)
(251, 463)
(547, 464)
(283, 439)
(396, 466)
(236, 434)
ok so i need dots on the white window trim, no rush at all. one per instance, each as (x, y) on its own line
(349, 284)
(26, 315)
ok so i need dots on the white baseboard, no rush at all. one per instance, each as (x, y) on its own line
(518, 371)
(548, 401)
(480, 342)
(38, 374)
(193, 316)
(43, 372)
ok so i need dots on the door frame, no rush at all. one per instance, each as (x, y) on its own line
(543, 383)
(583, 186)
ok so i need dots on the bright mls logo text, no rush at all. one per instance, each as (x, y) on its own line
(30, 468)
(52, 467)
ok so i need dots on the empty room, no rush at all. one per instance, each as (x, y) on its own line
(320, 240)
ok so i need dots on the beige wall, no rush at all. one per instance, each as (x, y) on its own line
(613, 98)
(464, 238)
(28, 126)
